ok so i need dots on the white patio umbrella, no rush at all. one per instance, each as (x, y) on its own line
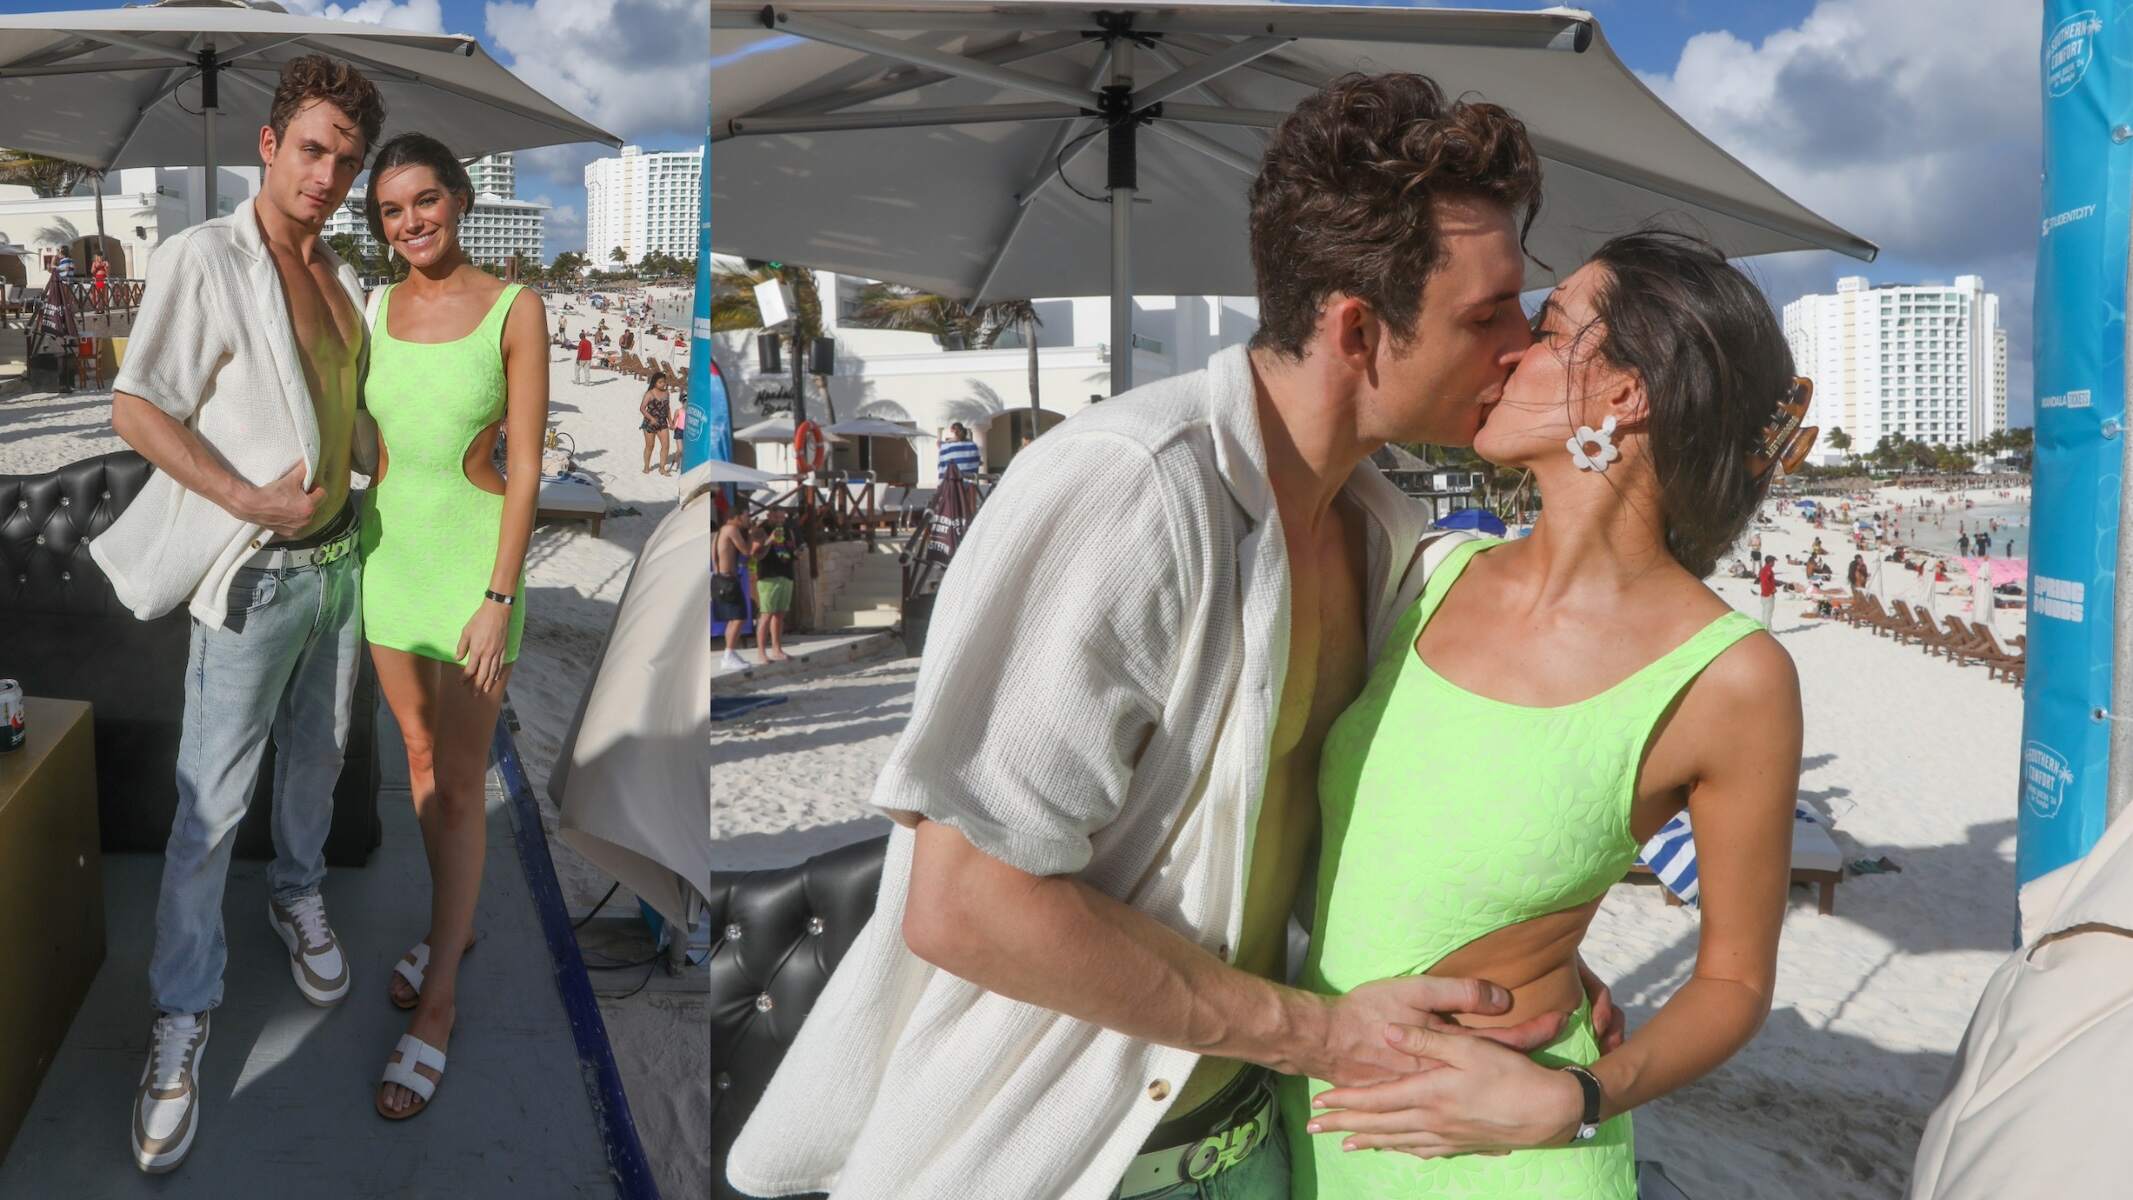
(144, 87)
(872, 427)
(964, 126)
(773, 429)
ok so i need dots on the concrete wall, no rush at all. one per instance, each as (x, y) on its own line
(815, 594)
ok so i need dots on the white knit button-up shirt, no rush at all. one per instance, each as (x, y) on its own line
(1097, 699)
(213, 347)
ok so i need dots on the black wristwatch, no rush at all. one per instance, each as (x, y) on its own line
(500, 598)
(1589, 1121)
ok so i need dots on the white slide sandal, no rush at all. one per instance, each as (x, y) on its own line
(411, 1052)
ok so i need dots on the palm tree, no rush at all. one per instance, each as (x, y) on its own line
(617, 256)
(958, 324)
(733, 307)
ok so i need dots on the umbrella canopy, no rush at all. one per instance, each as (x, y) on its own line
(772, 429)
(124, 87)
(721, 471)
(958, 117)
(1472, 518)
(872, 427)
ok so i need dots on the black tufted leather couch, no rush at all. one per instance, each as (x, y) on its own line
(64, 633)
(777, 935)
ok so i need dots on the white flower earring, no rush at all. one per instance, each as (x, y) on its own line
(1603, 441)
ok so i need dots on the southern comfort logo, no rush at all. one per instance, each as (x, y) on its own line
(2045, 776)
(2069, 50)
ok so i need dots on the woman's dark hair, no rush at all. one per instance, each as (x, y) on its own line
(1715, 366)
(416, 150)
(1345, 199)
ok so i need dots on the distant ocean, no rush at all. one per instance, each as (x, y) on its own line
(1919, 530)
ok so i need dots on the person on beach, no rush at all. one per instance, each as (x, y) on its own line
(1766, 586)
(959, 452)
(1857, 574)
(585, 358)
(729, 602)
(247, 521)
(771, 553)
(1542, 709)
(676, 403)
(1962, 544)
(1070, 985)
(655, 422)
(457, 359)
(100, 282)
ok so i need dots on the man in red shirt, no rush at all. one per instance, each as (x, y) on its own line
(1766, 582)
(585, 357)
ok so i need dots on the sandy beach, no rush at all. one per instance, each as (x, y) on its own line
(1911, 757)
(573, 583)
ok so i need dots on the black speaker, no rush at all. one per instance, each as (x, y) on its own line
(767, 358)
(823, 359)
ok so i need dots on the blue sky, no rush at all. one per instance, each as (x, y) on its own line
(637, 68)
(1914, 125)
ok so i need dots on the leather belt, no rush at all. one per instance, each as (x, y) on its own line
(1230, 1143)
(293, 558)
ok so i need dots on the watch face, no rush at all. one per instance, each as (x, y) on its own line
(1588, 1132)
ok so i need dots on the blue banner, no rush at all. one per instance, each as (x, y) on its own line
(2087, 76)
(709, 433)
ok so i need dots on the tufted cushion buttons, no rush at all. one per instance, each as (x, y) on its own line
(815, 926)
(22, 578)
(64, 576)
(107, 493)
(764, 1003)
(722, 1081)
(65, 501)
(22, 504)
(733, 933)
(40, 539)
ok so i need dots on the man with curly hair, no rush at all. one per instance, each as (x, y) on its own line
(1073, 984)
(240, 386)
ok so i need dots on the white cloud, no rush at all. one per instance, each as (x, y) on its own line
(639, 69)
(415, 16)
(1922, 135)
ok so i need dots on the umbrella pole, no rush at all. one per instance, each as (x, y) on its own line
(209, 99)
(1117, 107)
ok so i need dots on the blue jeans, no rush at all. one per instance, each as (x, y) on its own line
(286, 665)
(1263, 1175)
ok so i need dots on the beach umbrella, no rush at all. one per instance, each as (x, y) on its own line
(871, 427)
(718, 470)
(1479, 519)
(189, 83)
(773, 429)
(970, 126)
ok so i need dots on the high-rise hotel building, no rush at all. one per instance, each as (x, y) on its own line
(640, 202)
(1918, 361)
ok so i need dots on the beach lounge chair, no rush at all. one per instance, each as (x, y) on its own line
(570, 500)
(1951, 639)
(1670, 856)
(1875, 618)
(1999, 662)
(1905, 627)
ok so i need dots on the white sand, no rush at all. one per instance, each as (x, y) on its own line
(1914, 758)
(573, 583)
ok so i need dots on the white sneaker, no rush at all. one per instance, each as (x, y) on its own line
(166, 1105)
(733, 662)
(315, 957)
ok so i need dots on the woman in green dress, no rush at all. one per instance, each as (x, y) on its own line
(455, 357)
(1543, 708)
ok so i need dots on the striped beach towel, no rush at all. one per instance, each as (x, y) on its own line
(1671, 853)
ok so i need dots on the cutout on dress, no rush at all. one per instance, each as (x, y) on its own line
(476, 464)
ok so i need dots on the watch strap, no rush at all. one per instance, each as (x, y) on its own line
(1590, 1086)
(499, 597)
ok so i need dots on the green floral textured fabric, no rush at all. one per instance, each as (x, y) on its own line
(429, 534)
(1447, 815)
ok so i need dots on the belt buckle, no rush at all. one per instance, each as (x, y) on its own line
(1212, 1155)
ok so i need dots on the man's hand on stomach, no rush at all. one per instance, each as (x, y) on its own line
(284, 506)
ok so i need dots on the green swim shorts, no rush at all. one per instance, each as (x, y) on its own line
(772, 596)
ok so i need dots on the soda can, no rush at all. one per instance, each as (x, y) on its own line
(11, 716)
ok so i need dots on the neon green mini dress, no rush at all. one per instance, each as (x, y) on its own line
(1445, 816)
(429, 534)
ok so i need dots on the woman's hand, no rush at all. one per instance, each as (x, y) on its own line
(481, 645)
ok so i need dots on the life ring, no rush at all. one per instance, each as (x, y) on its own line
(809, 431)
